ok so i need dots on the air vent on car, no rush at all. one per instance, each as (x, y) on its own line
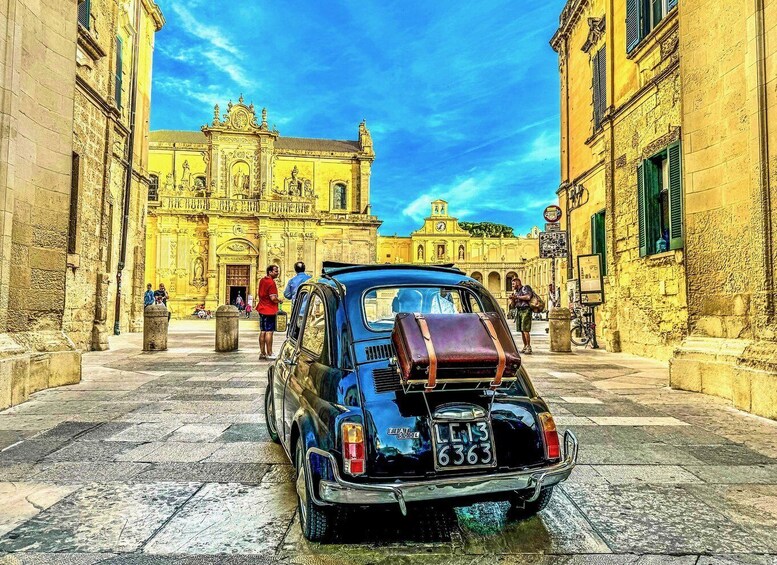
(386, 380)
(378, 352)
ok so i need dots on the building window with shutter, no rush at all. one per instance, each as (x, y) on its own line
(75, 188)
(599, 87)
(119, 71)
(153, 188)
(84, 13)
(598, 244)
(642, 16)
(660, 202)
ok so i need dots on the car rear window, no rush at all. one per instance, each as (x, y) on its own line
(381, 305)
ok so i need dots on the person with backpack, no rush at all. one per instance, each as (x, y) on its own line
(520, 300)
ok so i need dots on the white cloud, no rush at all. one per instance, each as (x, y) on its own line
(545, 147)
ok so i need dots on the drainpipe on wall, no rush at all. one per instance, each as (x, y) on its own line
(130, 169)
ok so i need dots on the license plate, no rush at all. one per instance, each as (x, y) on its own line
(460, 445)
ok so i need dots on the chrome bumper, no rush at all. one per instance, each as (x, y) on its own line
(341, 491)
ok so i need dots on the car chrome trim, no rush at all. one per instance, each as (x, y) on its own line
(340, 491)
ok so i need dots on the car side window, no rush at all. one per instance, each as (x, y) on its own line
(314, 334)
(298, 315)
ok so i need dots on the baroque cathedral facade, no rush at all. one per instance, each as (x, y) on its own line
(229, 200)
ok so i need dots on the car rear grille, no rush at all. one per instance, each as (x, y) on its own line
(386, 380)
(379, 352)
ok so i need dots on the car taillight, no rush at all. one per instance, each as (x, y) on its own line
(550, 435)
(353, 448)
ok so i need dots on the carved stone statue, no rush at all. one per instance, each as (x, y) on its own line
(186, 177)
(294, 185)
(241, 180)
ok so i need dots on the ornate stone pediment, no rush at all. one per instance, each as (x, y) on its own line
(238, 118)
(595, 32)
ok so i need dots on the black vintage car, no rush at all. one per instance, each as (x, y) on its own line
(359, 436)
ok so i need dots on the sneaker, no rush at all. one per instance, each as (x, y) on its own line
(271, 357)
(527, 351)
(262, 357)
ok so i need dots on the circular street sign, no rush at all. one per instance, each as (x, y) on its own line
(552, 214)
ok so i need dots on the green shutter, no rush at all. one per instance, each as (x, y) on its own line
(676, 235)
(670, 4)
(598, 242)
(84, 13)
(119, 70)
(632, 24)
(641, 211)
(599, 74)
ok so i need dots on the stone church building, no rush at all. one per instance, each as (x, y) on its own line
(229, 200)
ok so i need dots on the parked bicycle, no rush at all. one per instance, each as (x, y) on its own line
(582, 326)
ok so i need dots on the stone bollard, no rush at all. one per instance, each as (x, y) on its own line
(155, 328)
(560, 334)
(227, 328)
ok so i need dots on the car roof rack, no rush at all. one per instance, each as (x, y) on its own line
(331, 268)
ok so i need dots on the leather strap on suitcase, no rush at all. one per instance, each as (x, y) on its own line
(424, 327)
(500, 368)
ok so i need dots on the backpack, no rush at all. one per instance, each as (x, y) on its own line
(536, 304)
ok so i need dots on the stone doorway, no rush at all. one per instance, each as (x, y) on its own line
(238, 278)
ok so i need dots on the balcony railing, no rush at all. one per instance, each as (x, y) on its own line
(191, 204)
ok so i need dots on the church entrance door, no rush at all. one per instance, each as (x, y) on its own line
(238, 278)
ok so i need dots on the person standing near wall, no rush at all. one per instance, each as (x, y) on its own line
(267, 307)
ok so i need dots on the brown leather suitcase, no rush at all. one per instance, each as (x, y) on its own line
(454, 348)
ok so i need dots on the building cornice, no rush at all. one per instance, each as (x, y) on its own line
(567, 20)
(155, 12)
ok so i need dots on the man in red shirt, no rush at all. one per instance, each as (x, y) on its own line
(267, 308)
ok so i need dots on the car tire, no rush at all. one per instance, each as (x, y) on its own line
(317, 523)
(520, 509)
(269, 413)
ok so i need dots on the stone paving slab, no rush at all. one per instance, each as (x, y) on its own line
(101, 518)
(228, 518)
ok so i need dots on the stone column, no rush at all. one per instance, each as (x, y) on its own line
(227, 328)
(212, 274)
(155, 328)
(560, 335)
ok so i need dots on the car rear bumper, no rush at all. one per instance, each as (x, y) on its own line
(340, 491)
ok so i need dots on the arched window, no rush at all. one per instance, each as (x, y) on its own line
(199, 182)
(494, 282)
(153, 188)
(509, 281)
(338, 196)
(477, 276)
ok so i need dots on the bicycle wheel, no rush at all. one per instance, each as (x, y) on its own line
(579, 335)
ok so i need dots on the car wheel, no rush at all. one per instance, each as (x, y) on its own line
(269, 413)
(520, 509)
(316, 522)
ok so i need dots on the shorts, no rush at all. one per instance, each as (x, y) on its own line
(267, 322)
(523, 319)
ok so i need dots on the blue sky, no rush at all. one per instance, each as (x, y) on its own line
(462, 99)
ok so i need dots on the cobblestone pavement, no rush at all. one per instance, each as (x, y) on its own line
(164, 458)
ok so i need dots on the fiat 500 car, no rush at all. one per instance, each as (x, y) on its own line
(360, 433)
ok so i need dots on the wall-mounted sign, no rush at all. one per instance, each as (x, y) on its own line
(553, 244)
(589, 273)
(552, 214)
(552, 227)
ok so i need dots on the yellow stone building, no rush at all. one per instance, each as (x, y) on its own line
(494, 261)
(229, 200)
(105, 252)
(69, 75)
(620, 161)
(668, 149)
